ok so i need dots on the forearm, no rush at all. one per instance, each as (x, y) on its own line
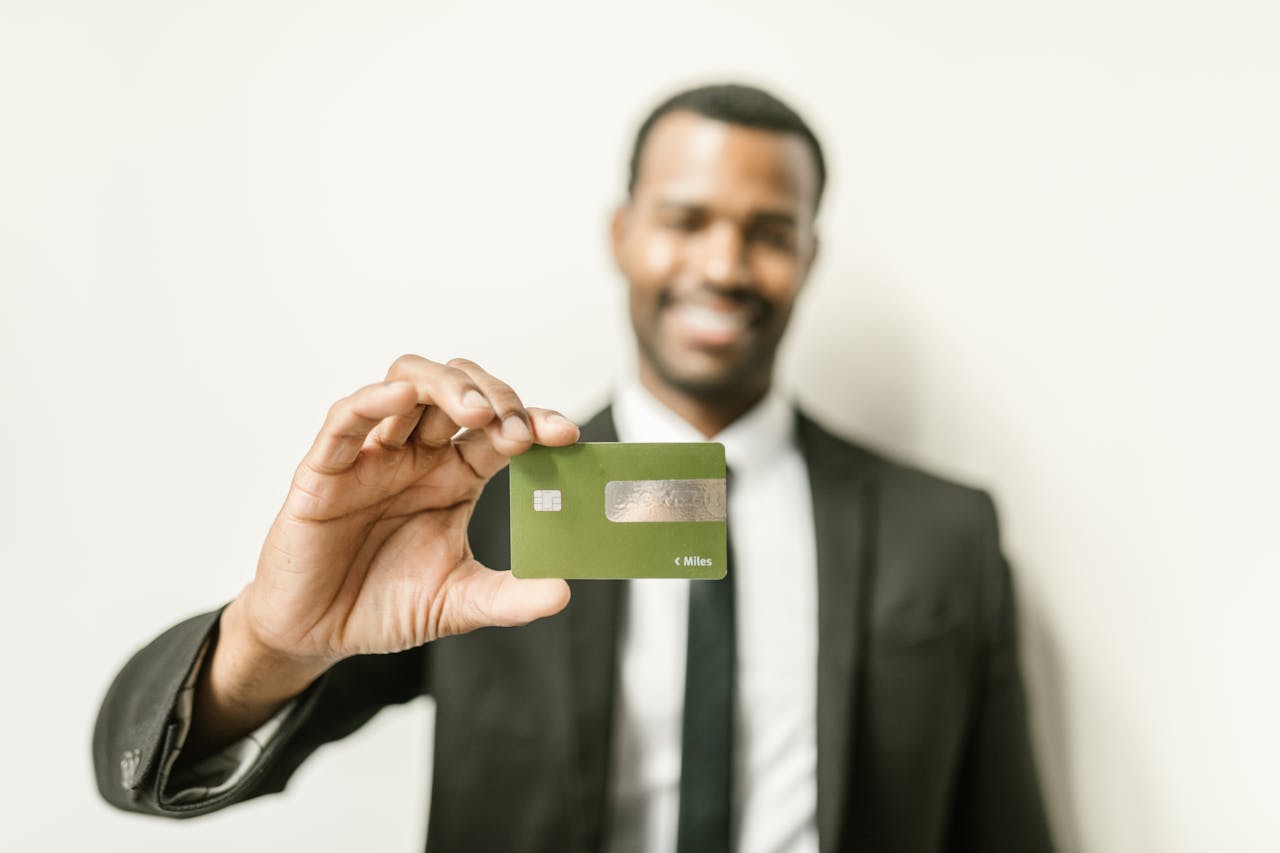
(242, 685)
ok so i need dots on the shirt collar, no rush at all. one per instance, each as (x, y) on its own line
(766, 430)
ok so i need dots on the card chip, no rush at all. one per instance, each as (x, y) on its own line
(546, 500)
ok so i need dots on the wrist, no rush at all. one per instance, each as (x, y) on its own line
(241, 685)
(246, 676)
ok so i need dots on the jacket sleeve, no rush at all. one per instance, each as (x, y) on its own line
(138, 721)
(998, 803)
(139, 724)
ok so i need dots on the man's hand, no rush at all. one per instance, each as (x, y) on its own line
(369, 552)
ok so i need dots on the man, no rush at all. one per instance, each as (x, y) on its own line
(853, 685)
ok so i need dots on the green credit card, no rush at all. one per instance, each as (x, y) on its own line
(613, 510)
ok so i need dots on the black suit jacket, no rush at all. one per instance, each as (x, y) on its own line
(922, 728)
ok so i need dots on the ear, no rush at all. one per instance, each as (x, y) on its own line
(618, 231)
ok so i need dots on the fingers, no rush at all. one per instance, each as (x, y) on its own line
(449, 400)
(456, 395)
(351, 419)
(552, 428)
(413, 388)
(511, 431)
(435, 428)
(429, 403)
(395, 430)
(487, 452)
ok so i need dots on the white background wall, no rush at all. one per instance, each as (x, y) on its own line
(1049, 268)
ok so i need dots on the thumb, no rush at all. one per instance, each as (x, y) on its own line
(484, 597)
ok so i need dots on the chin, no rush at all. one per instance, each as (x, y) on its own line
(731, 383)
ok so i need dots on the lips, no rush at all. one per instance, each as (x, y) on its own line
(718, 324)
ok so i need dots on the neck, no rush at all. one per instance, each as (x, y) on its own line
(708, 416)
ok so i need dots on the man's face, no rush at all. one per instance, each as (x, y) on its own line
(716, 242)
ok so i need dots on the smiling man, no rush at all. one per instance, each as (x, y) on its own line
(716, 242)
(852, 685)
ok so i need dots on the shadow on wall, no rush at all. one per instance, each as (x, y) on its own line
(857, 369)
(1044, 672)
(854, 368)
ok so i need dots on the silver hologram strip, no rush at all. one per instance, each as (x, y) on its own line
(664, 500)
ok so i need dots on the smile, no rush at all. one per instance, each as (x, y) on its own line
(711, 325)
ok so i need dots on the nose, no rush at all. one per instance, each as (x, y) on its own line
(724, 257)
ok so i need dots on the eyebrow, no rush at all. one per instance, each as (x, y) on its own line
(757, 217)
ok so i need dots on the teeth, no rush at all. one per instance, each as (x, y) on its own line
(702, 318)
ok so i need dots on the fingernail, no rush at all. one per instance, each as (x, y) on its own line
(557, 418)
(473, 399)
(515, 429)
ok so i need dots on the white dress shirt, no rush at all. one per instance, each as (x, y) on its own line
(774, 559)
(776, 608)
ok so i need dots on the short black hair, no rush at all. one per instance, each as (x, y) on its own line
(732, 103)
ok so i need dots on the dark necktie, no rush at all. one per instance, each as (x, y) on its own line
(706, 763)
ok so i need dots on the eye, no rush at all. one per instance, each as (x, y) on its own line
(683, 221)
(775, 236)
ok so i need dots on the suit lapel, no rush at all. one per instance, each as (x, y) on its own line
(843, 516)
(593, 615)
